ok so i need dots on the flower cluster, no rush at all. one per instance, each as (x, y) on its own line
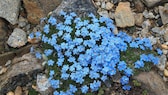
(84, 53)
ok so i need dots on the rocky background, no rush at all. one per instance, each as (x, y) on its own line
(20, 72)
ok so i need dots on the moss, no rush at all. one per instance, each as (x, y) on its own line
(33, 92)
(136, 83)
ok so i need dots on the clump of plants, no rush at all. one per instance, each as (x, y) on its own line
(82, 53)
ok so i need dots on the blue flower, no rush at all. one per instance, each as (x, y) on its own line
(72, 88)
(54, 83)
(67, 37)
(50, 62)
(71, 59)
(31, 35)
(60, 33)
(44, 39)
(159, 51)
(84, 89)
(38, 55)
(128, 72)
(48, 52)
(67, 22)
(51, 72)
(139, 64)
(104, 78)
(78, 33)
(91, 15)
(122, 66)
(60, 61)
(95, 85)
(56, 93)
(62, 13)
(133, 45)
(78, 41)
(52, 20)
(124, 80)
(68, 29)
(94, 75)
(46, 29)
(126, 87)
(64, 76)
(73, 14)
(65, 68)
(38, 34)
(144, 57)
(68, 53)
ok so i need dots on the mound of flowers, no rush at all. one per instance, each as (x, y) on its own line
(82, 53)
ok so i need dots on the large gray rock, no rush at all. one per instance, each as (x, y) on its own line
(153, 82)
(151, 3)
(37, 9)
(9, 9)
(80, 7)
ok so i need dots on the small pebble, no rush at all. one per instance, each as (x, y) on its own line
(3, 70)
(163, 46)
(165, 72)
(109, 5)
(103, 5)
(18, 90)
(97, 4)
(10, 93)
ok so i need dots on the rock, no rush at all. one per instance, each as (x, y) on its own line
(165, 72)
(166, 35)
(123, 15)
(158, 30)
(139, 19)
(165, 51)
(159, 22)
(148, 14)
(42, 82)
(151, 3)
(81, 7)
(163, 13)
(109, 5)
(139, 6)
(10, 55)
(22, 21)
(18, 38)
(5, 28)
(9, 9)
(37, 9)
(3, 70)
(10, 93)
(153, 40)
(146, 24)
(103, 13)
(103, 5)
(97, 4)
(153, 82)
(164, 46)
(111, 15)
(18, 90)
(22, 71)
(145, 32)
(162, 63)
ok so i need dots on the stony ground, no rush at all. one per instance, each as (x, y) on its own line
(22, 74)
